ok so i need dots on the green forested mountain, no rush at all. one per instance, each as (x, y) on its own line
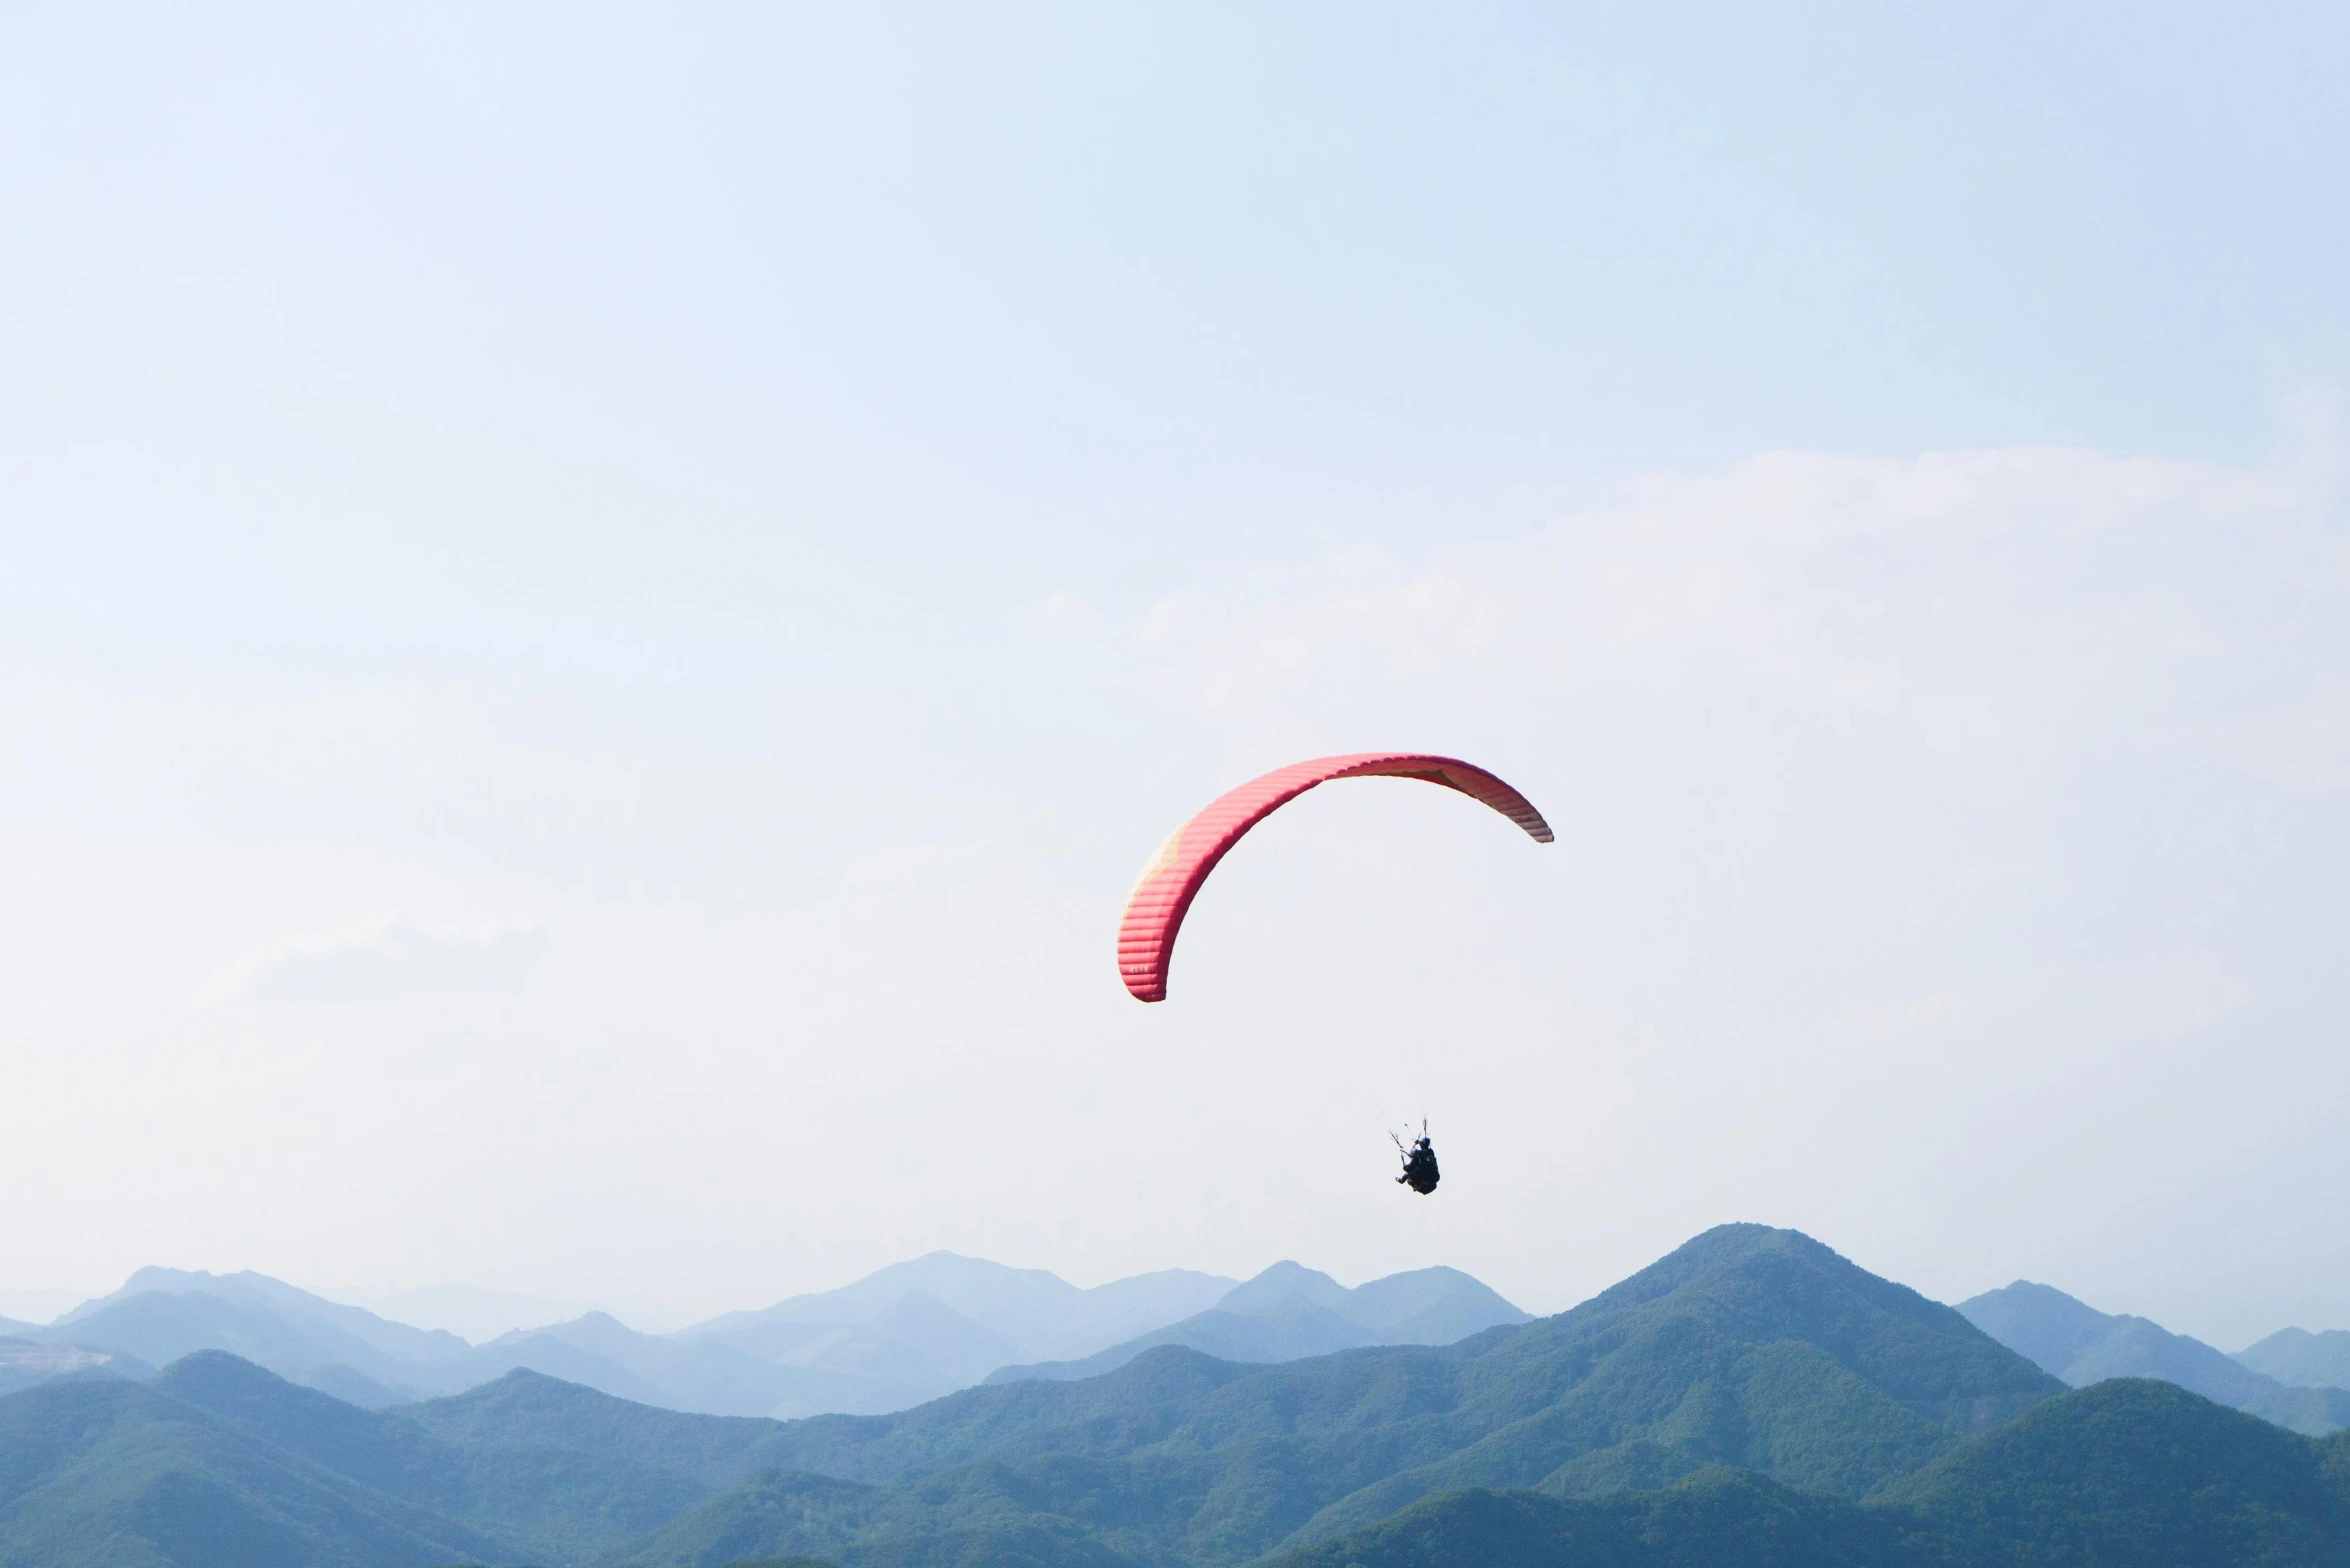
(220, 1462)
(1714, 1518)
(1748, 1346)
(2126, 1474)
(100, 1473)
(2139, 1471)
(1752, 1394)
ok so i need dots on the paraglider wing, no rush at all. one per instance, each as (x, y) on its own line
(1154, 912)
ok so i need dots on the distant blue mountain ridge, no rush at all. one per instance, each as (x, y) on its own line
(1290, 1312)
(2082, 1345)
(920, 1329)
(899, 1337)
(2296, 1356)
(1751, 1400)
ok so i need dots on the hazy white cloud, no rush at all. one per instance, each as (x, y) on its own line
(1949, 864)
(1953, 849)
(2033, 598)
(1062, 618)
(383, 957)
(907, 865)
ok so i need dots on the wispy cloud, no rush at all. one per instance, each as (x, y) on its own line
(2038, 599)
(383, 957)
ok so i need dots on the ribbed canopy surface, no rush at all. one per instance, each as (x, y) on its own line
(1154, 913)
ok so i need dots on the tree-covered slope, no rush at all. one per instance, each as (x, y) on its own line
(972, 1516)
(526, 1413)
(1715, 1518)
(219, 1461)
(1748, 1346)
(2127, 1474)
(1751, 1394)
(540, 1500)
(2135, 1471)
(107, 1474)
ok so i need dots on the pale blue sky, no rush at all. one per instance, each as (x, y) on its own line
(619, 519)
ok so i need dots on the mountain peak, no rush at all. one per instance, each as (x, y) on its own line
(2296, 1356)
(1285, 1283)
(1745, 1250)
(2039, 1322)
(2084, 1346)
(220, 1380)
(1760, 1284)
(156, 1277)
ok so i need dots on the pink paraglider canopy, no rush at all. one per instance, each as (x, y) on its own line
(1154, 913)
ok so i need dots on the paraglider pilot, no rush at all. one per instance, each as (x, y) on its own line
(1419, 1166)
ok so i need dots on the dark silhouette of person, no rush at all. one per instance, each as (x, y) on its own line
(1419, 1167)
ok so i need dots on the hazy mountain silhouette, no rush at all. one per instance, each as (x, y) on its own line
(1029, 1312)
(903, 1335)
(164, 1314)
(1748, 1346)
(25, 1363)
(900, 1336)
(1752, 1399)
(2296, 1357)
(2078, 1343)
(1289, 1312)
(397, 1342)
(714, 1377)
(474, 1314)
